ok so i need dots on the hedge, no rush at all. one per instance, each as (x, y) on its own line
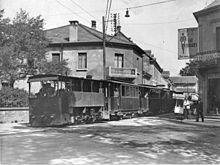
(13, 97)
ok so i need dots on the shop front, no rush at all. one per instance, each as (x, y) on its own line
(213, 94)
(208, 56)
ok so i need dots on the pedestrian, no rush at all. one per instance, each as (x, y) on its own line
(199, 111)
(186, 108)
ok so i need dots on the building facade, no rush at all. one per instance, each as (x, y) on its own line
(153, 73)
(82, 47)
(188, 85)
(208, 56)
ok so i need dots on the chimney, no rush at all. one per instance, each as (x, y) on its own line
(74, 22)
(73, 31)
(118, 28)
(93, 24)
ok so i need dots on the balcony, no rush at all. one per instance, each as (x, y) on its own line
(112, 72)
(207, 58)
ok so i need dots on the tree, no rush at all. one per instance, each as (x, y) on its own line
(23, 47)
(191, 69)
(54, 68)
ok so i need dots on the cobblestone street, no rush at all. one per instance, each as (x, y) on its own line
(144, 140)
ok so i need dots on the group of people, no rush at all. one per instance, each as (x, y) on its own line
(193, 107)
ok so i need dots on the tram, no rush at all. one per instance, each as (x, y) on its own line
(59, 100)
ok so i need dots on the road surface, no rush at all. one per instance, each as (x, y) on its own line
(143, 140)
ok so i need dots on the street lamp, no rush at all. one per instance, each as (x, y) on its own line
(127, 13)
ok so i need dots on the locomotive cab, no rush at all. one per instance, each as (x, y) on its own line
(48, 101)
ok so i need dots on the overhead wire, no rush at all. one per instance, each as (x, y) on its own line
(155, 23)
(71, 10)
(171, 51)
(156, 3)
(108, 15)
(83, 9)
(108, 9)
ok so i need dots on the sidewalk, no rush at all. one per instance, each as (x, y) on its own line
(207, 122)
(12, 128)
(213, 120)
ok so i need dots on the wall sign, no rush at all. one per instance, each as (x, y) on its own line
(187, 43)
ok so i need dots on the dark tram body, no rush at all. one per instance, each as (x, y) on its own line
(59, 100)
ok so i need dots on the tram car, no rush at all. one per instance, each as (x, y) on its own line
(59, 100)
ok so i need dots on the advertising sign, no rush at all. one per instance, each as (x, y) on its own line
(187, 43)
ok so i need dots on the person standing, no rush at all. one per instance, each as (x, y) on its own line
(186, 108)
(199, 111)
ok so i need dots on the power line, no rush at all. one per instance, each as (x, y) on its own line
(71, 10)
(108, 13)
(82, 9)
(155, 23)
(171, 51)
(151, 4)
(106, 10)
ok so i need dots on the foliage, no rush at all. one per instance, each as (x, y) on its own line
(191, 69)
(54, 68)
(23, 45)
(10, 97)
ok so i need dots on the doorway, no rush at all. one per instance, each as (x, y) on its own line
(213, 95)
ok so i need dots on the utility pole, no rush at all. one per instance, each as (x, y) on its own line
(104, 55)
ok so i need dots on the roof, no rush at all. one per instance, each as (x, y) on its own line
(54, 77)
(184, 80)
(85, 34)
(186, 90)
(153, 60)
(211, 7)
(214, 3)
(88, 35)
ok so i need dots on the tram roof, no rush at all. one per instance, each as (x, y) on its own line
(46, 77)
(51, 77)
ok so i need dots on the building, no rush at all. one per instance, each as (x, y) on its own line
(82, 46)
(153, 73)
(188, 85)
(208, 56)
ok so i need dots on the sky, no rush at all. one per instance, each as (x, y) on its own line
(151, 27)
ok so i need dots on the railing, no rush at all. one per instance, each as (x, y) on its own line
(121, 72)
(207, 55)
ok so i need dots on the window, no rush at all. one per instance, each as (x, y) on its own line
(127, 90)
(218, 38)
(82, 61)
(55, 57)
(123, 90)
(119, 61)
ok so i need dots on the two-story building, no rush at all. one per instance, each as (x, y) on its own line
(188, 85)
(82, 46)
(208, 56)
(153, 73)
